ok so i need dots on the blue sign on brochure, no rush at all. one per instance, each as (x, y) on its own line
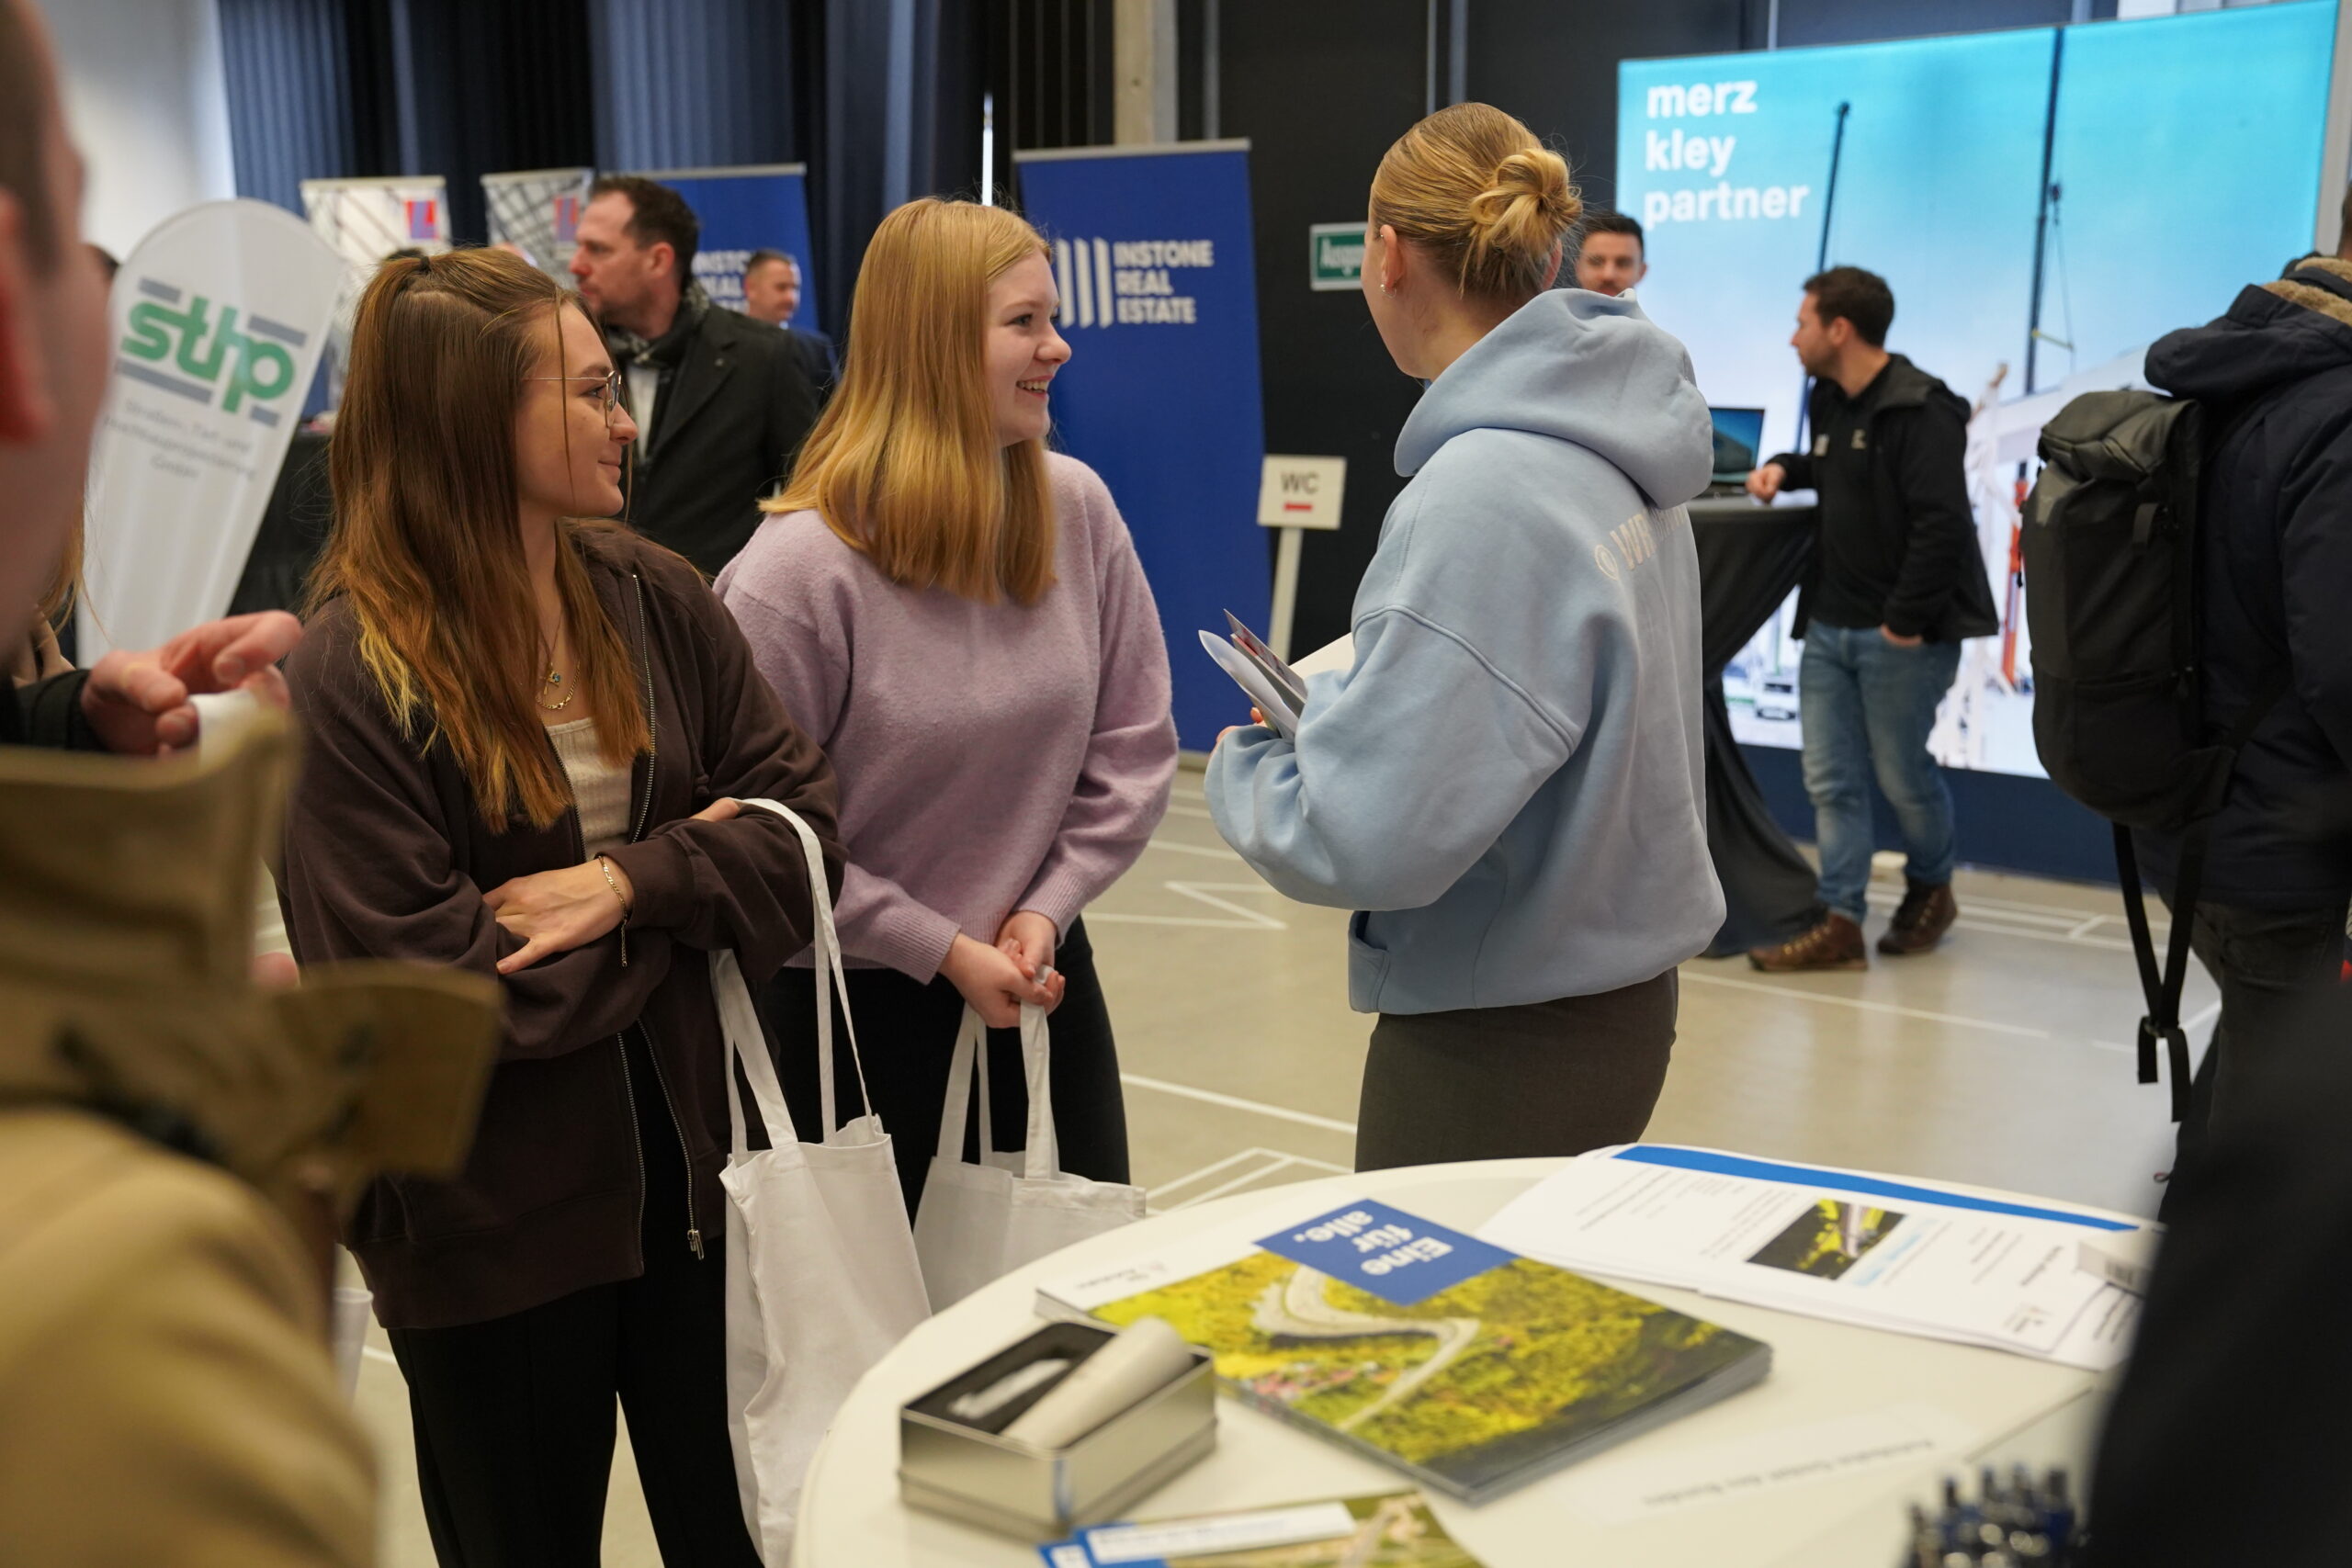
(1152, 259)
(743, 210)
(1395, 1255)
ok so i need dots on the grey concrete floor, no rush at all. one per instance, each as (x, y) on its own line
(2002, 1059)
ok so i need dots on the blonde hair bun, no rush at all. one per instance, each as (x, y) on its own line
(1473, 187)
(1528, 206)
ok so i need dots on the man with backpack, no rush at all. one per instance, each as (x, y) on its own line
(1897, 581)
(2272, 565)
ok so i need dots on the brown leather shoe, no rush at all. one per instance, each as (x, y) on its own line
(1925, 913)
(1834, 943)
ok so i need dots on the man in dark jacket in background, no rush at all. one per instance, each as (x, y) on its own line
(722, 401)
(1897, 582)
(2275, 578)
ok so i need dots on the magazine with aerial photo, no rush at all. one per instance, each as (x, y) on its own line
(1470, 1368)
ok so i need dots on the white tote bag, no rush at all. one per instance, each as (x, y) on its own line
(821, 1278)
(981, 1222)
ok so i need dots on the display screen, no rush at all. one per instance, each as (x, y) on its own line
(2172, 184)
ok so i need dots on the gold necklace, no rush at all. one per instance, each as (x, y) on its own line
(554, 678)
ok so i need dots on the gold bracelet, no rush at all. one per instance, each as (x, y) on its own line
(615, 886)
(626, 911)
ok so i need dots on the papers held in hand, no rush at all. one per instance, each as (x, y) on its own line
(1274, 688)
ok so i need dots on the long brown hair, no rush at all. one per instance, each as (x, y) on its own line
(1474, 187)
(425, 549)
(905, 464)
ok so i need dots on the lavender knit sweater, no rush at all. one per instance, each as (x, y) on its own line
(990, 757)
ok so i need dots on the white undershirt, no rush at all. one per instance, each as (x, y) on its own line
(644, 386)
(601, 789)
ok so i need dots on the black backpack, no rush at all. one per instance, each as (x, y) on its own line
(2110, 545)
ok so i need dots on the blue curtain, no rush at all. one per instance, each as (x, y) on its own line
(694, 83)
(291, 114)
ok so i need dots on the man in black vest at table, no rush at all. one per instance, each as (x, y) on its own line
(722, 401)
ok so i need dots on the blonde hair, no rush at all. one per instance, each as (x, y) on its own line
(905, 465)
(1473, 187)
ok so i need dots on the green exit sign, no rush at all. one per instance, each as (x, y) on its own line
(1335, 255)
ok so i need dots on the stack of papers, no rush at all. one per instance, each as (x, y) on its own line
(2038, 1279)
(1275, 690)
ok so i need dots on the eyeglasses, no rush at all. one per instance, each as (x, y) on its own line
(610, 398)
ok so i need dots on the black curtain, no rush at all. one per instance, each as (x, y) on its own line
(328, 89)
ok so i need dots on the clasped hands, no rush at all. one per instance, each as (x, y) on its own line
(997, 981)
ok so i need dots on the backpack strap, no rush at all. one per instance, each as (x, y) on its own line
(2162, 990)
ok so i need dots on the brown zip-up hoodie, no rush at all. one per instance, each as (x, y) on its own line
(388, 858)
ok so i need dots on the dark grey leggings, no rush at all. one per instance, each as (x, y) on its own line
(1555, 1077)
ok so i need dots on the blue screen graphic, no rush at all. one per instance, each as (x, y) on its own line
(2184, 163)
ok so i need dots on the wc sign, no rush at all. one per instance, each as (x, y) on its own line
(1302, 493)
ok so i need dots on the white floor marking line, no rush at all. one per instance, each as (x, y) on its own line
(2089, 926)
(375, 1355)
(1199, 812)
(1245, 920)
(1234, 1102)
(1203, 850)
(2203, 1015)
(1208, 1170)
(1281, 1162)
(2021, 1031)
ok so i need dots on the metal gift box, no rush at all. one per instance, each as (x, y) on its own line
(950, 1467)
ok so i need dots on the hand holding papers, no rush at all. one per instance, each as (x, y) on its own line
(1276, 688)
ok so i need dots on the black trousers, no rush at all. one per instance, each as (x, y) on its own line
(906, 1030)
(1555, 1077)
(513, 1416)
(2268, 963)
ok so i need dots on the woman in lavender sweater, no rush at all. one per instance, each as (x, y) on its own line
(958, 616)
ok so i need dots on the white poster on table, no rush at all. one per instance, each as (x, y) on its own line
(217, 322)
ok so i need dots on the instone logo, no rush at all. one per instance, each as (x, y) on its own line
(249, 368)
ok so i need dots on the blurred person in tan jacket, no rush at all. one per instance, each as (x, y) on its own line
(175, 1141)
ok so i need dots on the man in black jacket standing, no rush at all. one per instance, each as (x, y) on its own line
(723, 402)
(2274, 580)
(1897, 582)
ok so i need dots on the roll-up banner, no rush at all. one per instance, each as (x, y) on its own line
(538, 212)
(364, 220)
(760, 206)
(1160, 304)
(217, 322)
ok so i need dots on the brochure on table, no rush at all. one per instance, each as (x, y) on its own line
(1389, 1529)
(1470, 1368)
(2042, 1279)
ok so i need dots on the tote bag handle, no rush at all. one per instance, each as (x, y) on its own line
(746, 1042)
(1042, 1158)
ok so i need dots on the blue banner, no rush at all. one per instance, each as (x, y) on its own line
(744, 210)
(1152, 256)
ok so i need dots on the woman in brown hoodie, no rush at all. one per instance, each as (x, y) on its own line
(526, 737)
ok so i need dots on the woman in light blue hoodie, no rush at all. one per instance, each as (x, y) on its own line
(1507, 785)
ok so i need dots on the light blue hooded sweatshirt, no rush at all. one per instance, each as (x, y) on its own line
(1510, 785)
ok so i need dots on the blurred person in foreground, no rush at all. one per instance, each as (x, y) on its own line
(175, 1142)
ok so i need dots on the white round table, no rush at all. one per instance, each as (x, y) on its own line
(2001, 1408)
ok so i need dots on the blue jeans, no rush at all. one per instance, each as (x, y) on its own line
(1867, 706)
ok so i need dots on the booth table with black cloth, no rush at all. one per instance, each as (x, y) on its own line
(1750, 557)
